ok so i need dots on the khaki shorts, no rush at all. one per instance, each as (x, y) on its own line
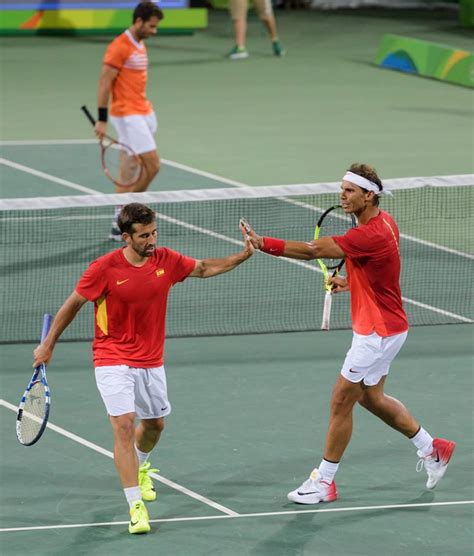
(369, 357)
(238, 8)
(131, 390)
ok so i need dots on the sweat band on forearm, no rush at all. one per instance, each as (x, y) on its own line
(273, 246)
(102, 114)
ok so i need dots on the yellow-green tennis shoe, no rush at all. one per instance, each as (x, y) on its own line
(139, 520)
(146, 484)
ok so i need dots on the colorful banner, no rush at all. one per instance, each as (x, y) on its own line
(428, 59)
(83, 4)
(95, 21)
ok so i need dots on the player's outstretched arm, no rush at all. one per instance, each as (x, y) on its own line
(324, 247)
(65, 315)
(213, 267)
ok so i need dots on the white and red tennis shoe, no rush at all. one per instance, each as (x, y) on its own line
(314, 490)
(437, 462)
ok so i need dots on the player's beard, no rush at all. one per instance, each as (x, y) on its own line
(144, 252)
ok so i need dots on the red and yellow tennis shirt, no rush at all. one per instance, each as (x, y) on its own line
(129, 88)
(130, 305)
(373, 270)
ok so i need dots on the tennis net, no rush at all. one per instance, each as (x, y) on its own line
(48, 242)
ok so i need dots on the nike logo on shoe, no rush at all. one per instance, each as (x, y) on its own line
(306, 493)
(133, 523)
(437, 457)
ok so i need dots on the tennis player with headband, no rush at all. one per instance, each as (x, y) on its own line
(380, 327)
(124, 77)
(129, 288)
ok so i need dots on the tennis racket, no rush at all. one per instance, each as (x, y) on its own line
(120, 163)
(33, 411)
(333, 222)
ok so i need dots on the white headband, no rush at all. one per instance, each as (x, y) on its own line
(364, 183)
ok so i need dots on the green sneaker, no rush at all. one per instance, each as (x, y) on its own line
(145, 483)
(238, 53)
(139, 520)
(278, 50)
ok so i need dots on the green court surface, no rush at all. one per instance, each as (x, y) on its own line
(248, 423)
(249, 411)
(303, 118)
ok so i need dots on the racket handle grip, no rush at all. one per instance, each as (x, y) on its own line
(47, 320)
(326, 311)
(88, 114)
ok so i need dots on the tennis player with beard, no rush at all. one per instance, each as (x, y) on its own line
(124, 78)
(129, 288)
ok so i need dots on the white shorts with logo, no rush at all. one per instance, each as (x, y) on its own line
(137, 131)
(127, 389)
(369, 357)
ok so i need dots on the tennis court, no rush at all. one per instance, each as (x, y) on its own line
(249, 410)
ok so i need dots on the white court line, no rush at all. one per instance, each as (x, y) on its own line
(436, 309)
(48, 177)
(105, 452)
(39, 142)
(240, 184)
(241, 516)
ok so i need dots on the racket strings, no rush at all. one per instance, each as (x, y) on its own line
(336, 223)
(33, 412)
(122, 165)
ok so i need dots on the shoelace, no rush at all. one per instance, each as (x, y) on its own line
(420, 465)
(144, 473)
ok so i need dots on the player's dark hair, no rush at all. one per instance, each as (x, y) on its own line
(369, 173)
(146, 10)
(134, 213)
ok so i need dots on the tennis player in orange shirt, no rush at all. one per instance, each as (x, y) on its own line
(124, 78)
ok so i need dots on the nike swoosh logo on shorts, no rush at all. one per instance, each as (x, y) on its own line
(120, 282)
(351, 371)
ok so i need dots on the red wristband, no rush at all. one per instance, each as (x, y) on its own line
(273, 246)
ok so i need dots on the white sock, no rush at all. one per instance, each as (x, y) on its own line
(133, 495)
(423, 442)
(142, 456)
(327, 470)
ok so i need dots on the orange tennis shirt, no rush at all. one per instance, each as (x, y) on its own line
(130, 305)
(130, 58)
(373, 270)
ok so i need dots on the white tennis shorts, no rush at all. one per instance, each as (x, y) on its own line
(127, 389)
(137, 132)
(369, 357)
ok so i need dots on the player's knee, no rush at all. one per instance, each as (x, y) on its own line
(153, 167)
(124, 429)
(154, 426)
(369, 402)
(344, 397)
(341, 402)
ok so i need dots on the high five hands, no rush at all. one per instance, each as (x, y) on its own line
(249, 234)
